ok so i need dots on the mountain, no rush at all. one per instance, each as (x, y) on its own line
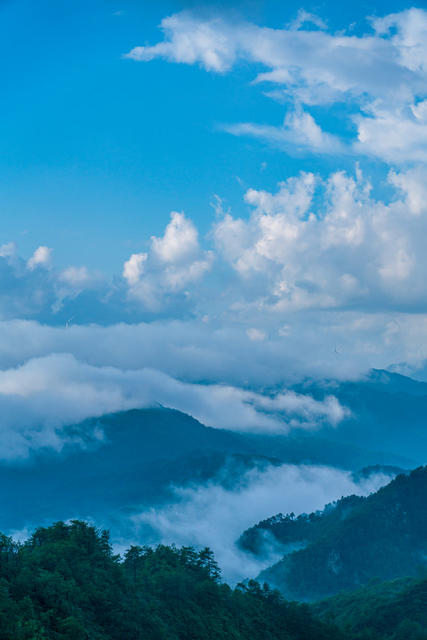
(64, 583)
(138, 454)
(285, 531)
(388, 413)
(395, 610)
(382, 536)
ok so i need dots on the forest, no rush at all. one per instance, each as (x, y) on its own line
(66, 583)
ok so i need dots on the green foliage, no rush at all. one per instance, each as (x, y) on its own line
(395, 610)
(65, 583)
(382, 536)
(288, 529)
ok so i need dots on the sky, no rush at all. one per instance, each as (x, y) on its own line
(202, 202)
(96, 150)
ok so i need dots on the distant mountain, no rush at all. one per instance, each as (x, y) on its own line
(382, 536)
(388, 414)
(140, 455)
(395, 610)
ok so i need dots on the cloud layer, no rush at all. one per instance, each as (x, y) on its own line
(44, 395)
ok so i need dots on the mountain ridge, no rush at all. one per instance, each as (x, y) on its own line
(381, 536)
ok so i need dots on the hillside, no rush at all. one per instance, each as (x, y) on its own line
(289, 530)
(382, 536)
(395, 610)
(64, 583)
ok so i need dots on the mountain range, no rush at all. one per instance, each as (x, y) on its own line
(132, 458)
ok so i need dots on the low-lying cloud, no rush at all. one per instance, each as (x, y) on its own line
(40, 397)
(214, 516)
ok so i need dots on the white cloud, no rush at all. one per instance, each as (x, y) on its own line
(73, 281)
(311, 56)
(408, 31)
(76, 276)
(189, 41)
(304, 17)
(255, 334)
(413, 185)
(349, 249)
(175, 261)
(381, 75)
(134, 268)
(43, 395)
(53, 376)
(41, 257)
(299, 131)
(395, 136)
(214, 516)
(311, 245)
(180, 240)
(8, 250)
(321, 278)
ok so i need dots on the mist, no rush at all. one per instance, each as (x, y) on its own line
(214, 516)
(41, 397)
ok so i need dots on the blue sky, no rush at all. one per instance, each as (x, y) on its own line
(96, 150)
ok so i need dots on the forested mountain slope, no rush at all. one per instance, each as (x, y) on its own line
(395, 610)
(382, 536)
(283, 531)
(65, 583)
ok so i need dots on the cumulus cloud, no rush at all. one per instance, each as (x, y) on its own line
(33, 288)
(175, 261)
(179, 242)
(214, 516)
(134, 268)
(348, 250)
(316, 263)
(380, 74)
(314, 243)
